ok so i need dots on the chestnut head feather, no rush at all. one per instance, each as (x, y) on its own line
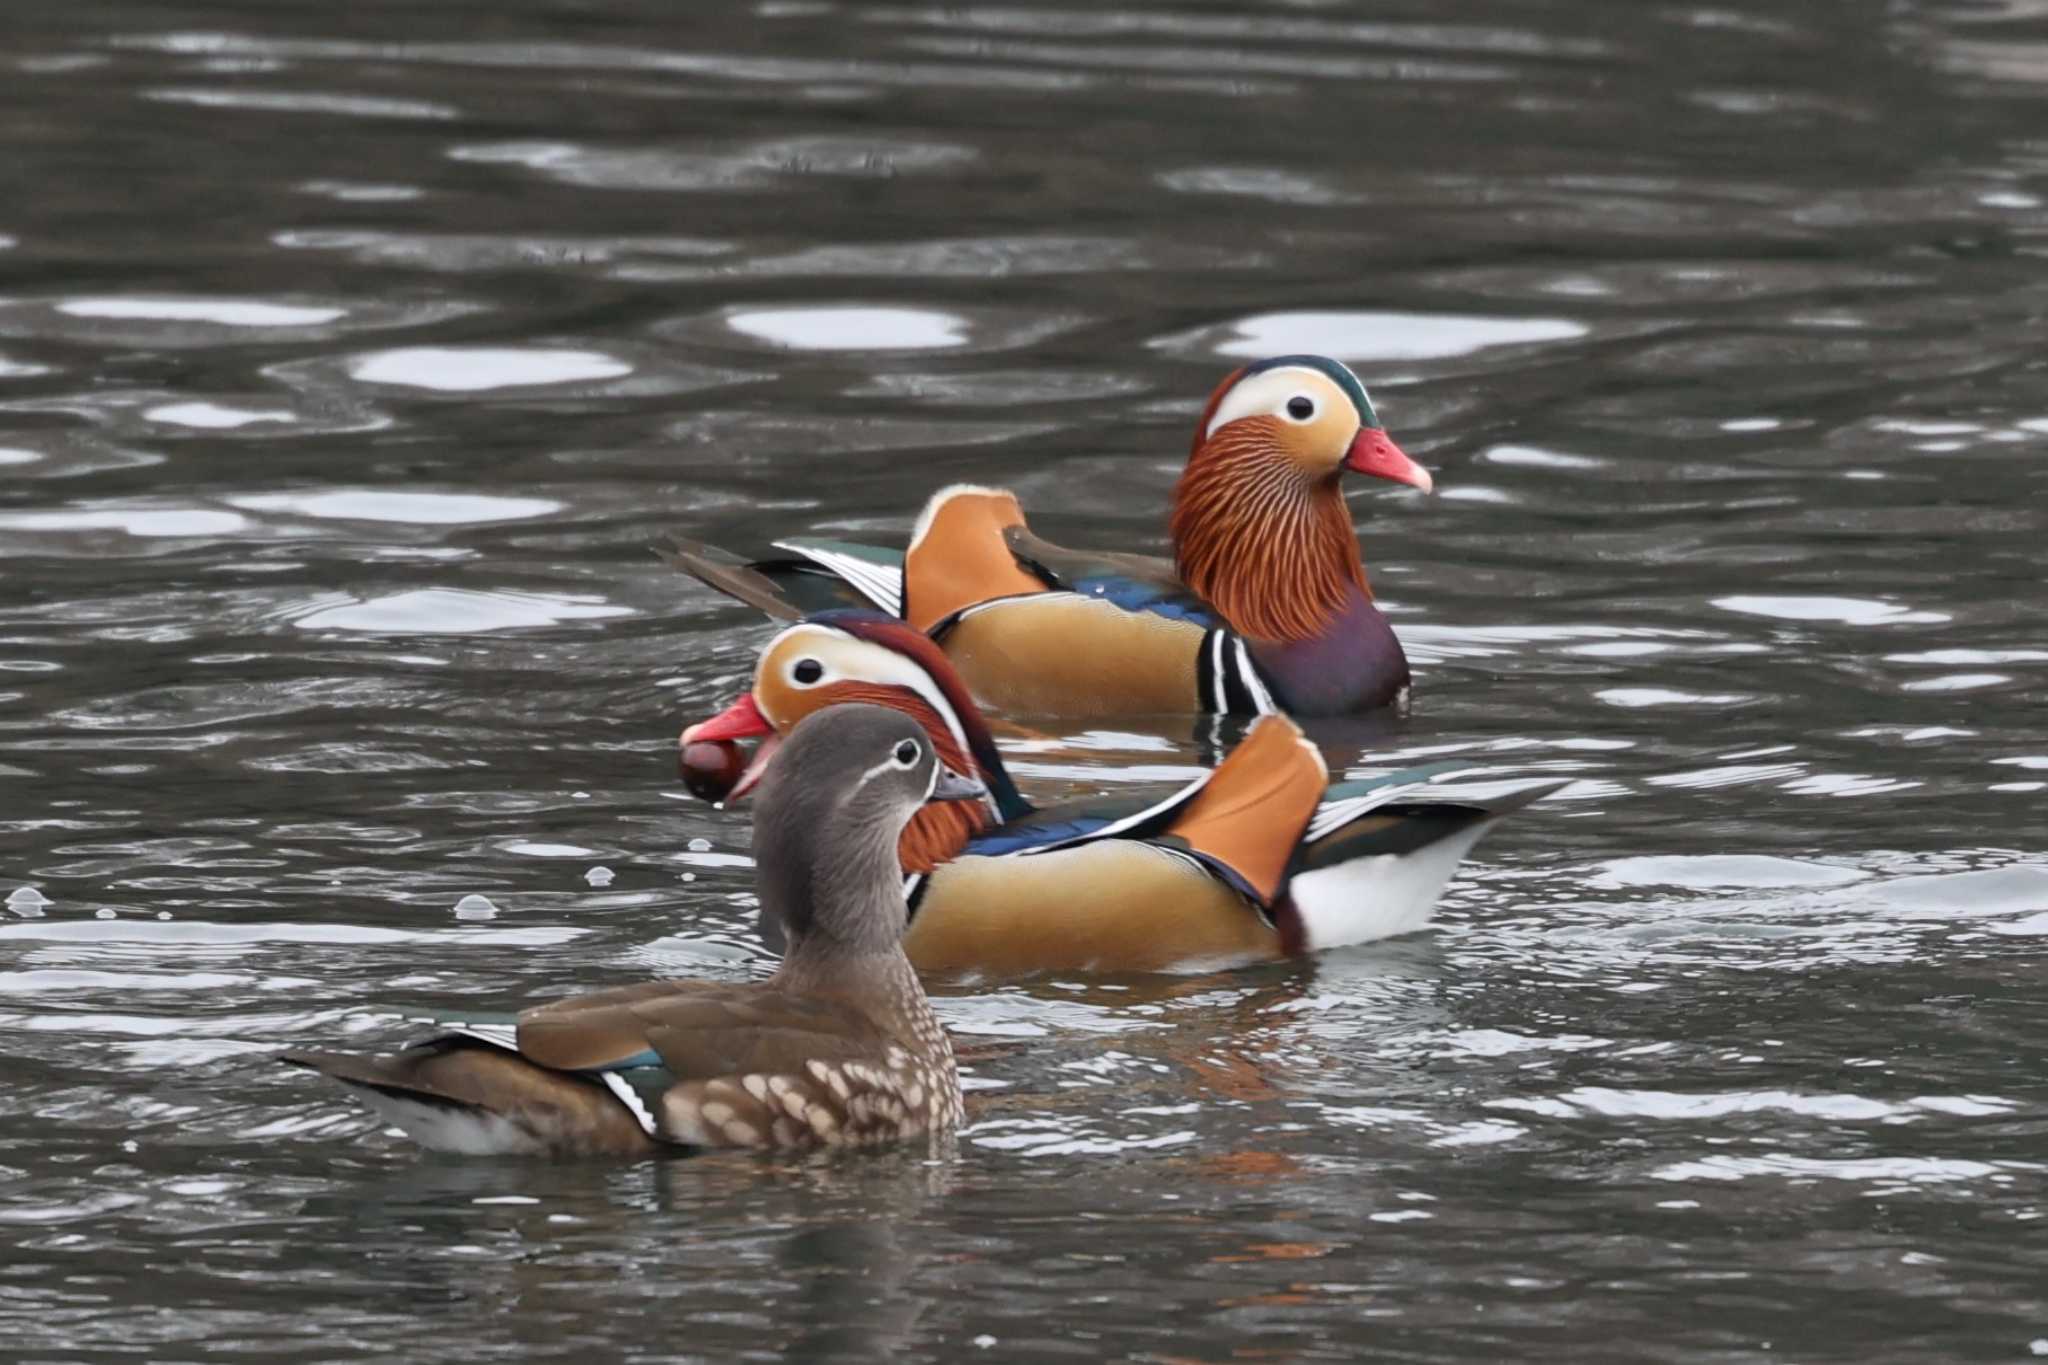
(838, 657)
(1259, 524)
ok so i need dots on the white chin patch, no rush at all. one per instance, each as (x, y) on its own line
(462, 1132)
(1369, 898)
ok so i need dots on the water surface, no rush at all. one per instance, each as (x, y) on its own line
(351, 357)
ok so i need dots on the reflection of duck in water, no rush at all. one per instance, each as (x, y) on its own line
(838, 1048)
(1263, 608)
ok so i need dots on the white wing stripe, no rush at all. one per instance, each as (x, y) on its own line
(882, 586)
(1116, 827)
(497, 1035)
(629, 1097)
(1332, 814)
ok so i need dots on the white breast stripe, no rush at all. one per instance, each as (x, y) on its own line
(1261, 698)
(881, 586)
(629, 1097)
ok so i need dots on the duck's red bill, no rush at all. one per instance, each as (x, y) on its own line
(741, 720)
(763, 752)
(1374, 452)
(709, 738)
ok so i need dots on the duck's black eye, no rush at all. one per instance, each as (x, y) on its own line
(906, 754)
(806, 672)
(1301, 408)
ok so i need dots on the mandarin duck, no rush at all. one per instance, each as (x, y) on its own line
(1263, 608)
(838, 1048)
(1260, 859)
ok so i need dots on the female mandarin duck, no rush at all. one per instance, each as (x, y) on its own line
(1264, 607)
(838, 1048)
(1260, 859)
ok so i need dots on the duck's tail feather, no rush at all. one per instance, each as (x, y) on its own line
(817, 575)
(474, 1098)
(1380, 871)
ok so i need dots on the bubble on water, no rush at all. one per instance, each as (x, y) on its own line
(475, 907)
(163, 914)
(689, 876)
(103, 913)
(580, 796)
(27, 902)
(699, 845)
(598, 876)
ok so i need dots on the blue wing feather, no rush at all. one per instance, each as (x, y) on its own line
(1137, 594)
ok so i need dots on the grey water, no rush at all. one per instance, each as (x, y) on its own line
(353, 355)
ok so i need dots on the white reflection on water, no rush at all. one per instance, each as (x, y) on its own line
(852, 328)
(694, 167)
(1385, 336)
(1542, 459)
(1904, 1170)
(354, 191)
(1636, 697)
(303, 102)
(419, 509)
(16, 455)
(1671, 1104)
(1722, 869)
(457, 611)
(224, 312)
(468, 369)
(215, 416)
(1853, 611)
(145, 522)
(1955, 682)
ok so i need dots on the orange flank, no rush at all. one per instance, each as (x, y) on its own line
(958, 557)
(1251, 813)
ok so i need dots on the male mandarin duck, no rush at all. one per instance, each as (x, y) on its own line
(838, 1048)
(1260, 859)
(1263, 608)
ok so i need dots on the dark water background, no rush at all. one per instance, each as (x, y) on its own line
(351, 355)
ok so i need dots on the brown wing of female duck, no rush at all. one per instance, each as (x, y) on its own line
(838, 1048)
(629, 1072)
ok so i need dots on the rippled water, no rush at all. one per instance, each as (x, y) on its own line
(352, 356)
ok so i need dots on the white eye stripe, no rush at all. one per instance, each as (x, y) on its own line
(1268, 394)
(890, 765)
(879, 665)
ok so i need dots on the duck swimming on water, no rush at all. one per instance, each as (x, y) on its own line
(1263, 608)
(1261, 859)
(839, 1048)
